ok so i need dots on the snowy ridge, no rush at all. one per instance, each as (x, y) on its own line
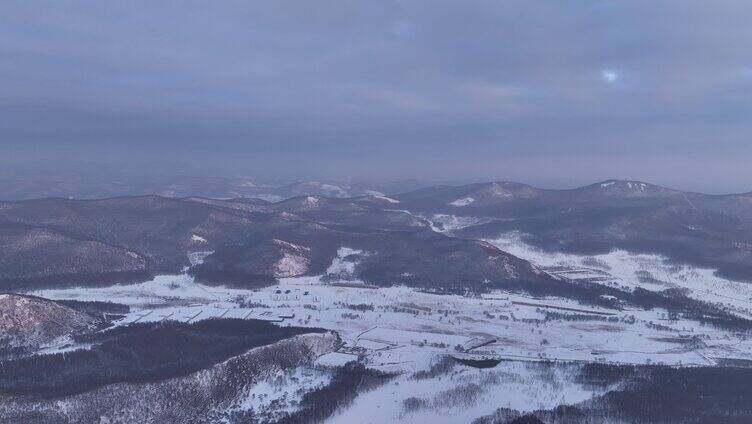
(385, 198)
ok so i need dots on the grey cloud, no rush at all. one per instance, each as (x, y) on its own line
(434, 89)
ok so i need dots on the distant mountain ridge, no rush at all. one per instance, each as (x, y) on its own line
(713, 231)
(15, 188)
(251, 241)
(248, 243)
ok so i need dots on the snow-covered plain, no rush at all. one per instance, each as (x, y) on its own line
(403, 331)
(412, 327)
(415, 326)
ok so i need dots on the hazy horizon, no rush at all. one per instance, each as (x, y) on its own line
(553, 94)
(152, 178)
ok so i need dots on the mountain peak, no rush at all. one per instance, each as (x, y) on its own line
(492, 193)
(630, 188)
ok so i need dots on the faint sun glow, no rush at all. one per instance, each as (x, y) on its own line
(610, 76)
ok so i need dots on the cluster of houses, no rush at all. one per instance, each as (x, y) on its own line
(293, 295)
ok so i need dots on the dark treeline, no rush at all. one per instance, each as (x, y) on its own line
(7, 350)
(676, 302)
(443, 366)
(96, 308)
(558, 316)
(90, 307)
(361, 307)
(138, 353)
(103, 279)
(669, 394)
(478, 363)
(230, 278)
(673, 300)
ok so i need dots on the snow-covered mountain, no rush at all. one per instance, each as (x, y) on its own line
(28, 322)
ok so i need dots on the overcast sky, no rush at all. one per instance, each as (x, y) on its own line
(554, 93)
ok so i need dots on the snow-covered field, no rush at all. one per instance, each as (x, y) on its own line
(404, 331)
(399, 329)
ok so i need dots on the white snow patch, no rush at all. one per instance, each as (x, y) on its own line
(464, 201)
(388, 199)
(292, 246)
(281, 394)
(197, 258)
(498, 190)
(198, 239)
(335, 359)
(448, 223)
(291, 265)
(343, 267)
